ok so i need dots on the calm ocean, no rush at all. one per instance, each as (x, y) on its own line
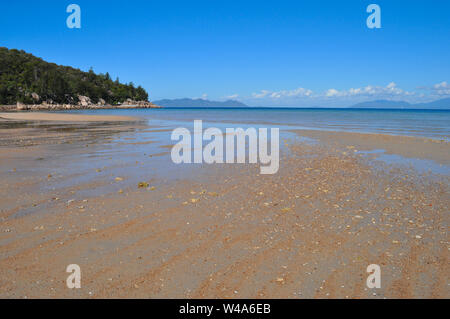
(422, 123)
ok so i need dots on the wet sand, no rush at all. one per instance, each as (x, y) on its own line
(407, 146)
(220, 231)
(64, 117)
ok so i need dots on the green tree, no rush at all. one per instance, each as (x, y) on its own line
(22, 74)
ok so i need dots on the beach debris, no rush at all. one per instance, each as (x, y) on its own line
(118, 179)
(7, 230)
(120, 191)
(286, 209)
(213, 194)
(98, 170)
(152, 188)
(143, 185)
(195, 200)
(70, 201)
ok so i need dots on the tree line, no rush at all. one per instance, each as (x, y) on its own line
(22, 74)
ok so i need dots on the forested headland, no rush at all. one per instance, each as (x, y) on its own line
(27, 79)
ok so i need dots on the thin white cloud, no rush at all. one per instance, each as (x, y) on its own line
(442, 88)
(390, 90)
(299, 92)
(261, 95)
(371, 91)
(333, 93)
(441, 85)
(333, 96)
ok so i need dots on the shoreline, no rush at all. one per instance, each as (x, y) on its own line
(222, 231)
(68, 107)
(403, 145)
(41, 116)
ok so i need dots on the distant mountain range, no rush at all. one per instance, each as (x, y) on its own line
(385, 104)
(378, 104)
(197, 103)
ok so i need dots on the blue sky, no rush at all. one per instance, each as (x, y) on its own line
(305, 53)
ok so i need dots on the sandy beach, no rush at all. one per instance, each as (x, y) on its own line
(64, 117)
(224, 158)
(70, 195)
(407, 146)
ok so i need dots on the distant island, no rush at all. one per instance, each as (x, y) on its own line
(386, 104)
(377, 104)
(29, 82)
(198, 103)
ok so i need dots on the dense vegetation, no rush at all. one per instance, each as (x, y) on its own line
(22, 74)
